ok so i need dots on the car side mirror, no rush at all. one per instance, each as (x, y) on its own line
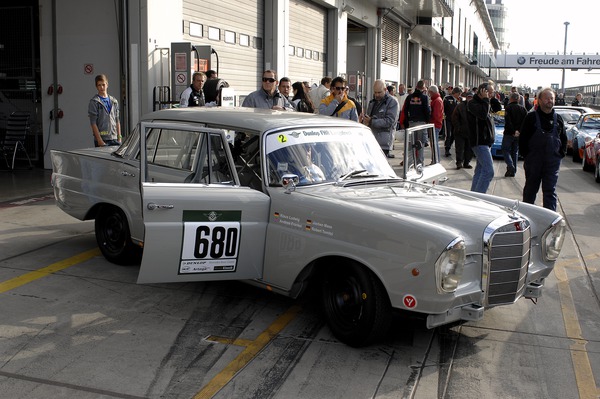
(289, 181)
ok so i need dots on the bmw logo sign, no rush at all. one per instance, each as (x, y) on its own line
(521, 60)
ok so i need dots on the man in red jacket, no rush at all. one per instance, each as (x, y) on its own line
(437, 108)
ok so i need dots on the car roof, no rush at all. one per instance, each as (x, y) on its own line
(575, 108)
(247, 118)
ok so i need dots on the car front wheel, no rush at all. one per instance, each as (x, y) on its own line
(576, 157)
(585, 162)
(356, 305)
(113, 237)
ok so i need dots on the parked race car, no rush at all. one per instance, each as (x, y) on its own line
(586, 128)
(499, 131)
(591, 157)
(570, 115)
(302, 200)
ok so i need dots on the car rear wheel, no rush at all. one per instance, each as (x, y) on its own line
(113, 237)
(597, 172)
(357, 307)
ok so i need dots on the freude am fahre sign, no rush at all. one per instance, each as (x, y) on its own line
(557, 61)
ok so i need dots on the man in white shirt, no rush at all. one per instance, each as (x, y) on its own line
(321, 92)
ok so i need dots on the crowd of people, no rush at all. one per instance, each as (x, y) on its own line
(461, 116)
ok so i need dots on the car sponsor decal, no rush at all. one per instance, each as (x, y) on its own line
(409, 301)
(318, 227)
(309, 225)
(291, 221)
(211, 241)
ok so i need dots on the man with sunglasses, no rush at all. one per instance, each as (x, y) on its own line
(337, 102)
(268, 97)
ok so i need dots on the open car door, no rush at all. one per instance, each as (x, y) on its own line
(200, 225)
(422, 161)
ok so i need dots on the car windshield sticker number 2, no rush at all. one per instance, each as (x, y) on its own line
(210, 247)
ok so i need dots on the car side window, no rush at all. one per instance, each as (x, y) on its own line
(246, 156)
(217, 166)
(184, 156)
(175, 149)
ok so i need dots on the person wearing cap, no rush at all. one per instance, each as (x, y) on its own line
(460, 130)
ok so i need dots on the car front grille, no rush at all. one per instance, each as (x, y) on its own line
(507, 259)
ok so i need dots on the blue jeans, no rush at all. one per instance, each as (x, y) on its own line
(484, 170)
(510, 151)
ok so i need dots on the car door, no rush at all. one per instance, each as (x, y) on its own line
(200, 224)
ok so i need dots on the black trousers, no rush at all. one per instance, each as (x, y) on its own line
(464, 155)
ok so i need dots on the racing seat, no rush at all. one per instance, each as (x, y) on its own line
(17, 128)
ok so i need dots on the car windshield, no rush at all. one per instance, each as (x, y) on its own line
(591, 122)
(325, 155)
(569, 116)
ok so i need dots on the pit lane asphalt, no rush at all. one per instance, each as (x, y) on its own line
(41, 360)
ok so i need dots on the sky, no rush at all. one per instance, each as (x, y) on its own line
(539, 26)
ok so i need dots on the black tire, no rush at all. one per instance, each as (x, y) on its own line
(356, 305)
(576, 157)
(597, 172)
(113, 237)
(584, 163)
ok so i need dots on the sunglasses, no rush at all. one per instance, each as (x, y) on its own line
(339, 88)
(270, 80)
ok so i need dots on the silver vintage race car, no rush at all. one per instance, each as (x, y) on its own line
(283, 200)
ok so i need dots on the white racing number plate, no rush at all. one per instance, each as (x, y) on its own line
(211, 241)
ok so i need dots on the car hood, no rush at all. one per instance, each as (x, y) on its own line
(588, 131)
(418, 203)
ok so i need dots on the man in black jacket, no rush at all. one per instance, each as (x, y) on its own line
(450, 103)
(482, 134)
(514, 114)
(416, 112)
(543, 143)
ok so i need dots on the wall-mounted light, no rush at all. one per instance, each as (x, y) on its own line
(348, 9)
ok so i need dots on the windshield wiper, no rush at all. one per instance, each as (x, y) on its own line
(350, 174)
(357, 172)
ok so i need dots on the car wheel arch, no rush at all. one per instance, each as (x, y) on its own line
(130, 252)
(314, 271)
(354, 300)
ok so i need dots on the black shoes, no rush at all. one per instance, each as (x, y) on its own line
(390, 155)
(509, 173)
(467, 166)
(448, 154)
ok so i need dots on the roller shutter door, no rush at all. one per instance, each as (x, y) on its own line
(239, 43)
(308, 29)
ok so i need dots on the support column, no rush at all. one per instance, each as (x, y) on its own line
(277, 34)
